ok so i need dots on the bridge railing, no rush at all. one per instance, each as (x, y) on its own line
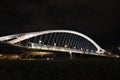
(63, 49)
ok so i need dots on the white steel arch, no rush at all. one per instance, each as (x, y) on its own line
(3, 38)
(24, 36)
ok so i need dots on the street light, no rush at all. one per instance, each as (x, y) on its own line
(74, 47)
(54, 44)
(40, 41)
(87, 50)
(81, 49)
(65, 46)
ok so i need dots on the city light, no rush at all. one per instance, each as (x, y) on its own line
(119, 48)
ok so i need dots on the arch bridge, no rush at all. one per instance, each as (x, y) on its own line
(56, 40)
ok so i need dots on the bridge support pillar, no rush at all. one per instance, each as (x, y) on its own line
(70, 54)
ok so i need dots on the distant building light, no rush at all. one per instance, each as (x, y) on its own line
(117, 56)
(47, 58)
(0, 55)
(119, 47)
(14, 57)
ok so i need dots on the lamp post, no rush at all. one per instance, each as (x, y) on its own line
(40, 42)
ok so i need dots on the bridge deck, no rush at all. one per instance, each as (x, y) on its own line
(63, 49)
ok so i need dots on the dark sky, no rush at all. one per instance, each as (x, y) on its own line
(99, 19)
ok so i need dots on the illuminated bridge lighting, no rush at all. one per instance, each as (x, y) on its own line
(56, 40)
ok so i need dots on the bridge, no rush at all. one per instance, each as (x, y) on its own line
(56, 40)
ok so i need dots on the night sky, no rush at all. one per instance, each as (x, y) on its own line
(99, 19)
